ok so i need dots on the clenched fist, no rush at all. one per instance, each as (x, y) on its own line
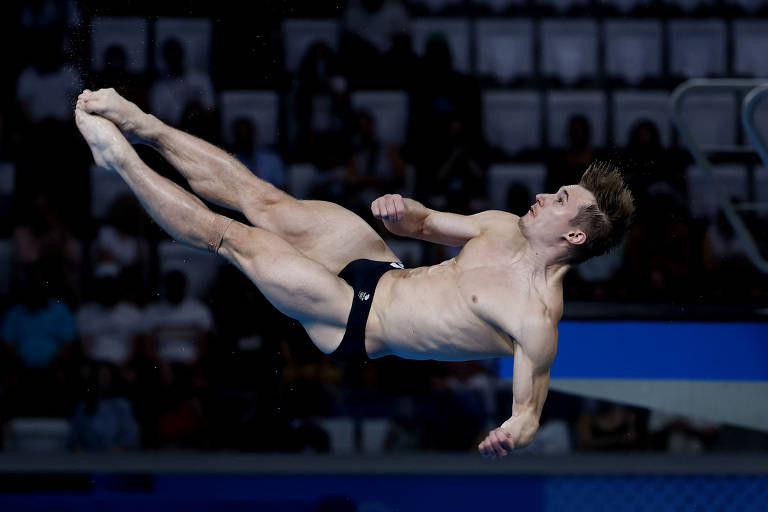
(389, 207)
(497, 444)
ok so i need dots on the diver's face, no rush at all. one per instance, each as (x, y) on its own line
(550, 217)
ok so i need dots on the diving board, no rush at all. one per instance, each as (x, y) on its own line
(713, 370)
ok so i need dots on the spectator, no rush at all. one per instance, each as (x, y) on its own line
(376, 22)
(47, 87)
(444, 134)
(680, 434)
(120, 241)
(180, 88)
(653, 274)
(178, 326)
(38, 332)
(567, 165)
(604, 426)
(324, 118)
(103, 419)
(43, 236)
(45, 91)
(459, 185)
(200, 121)
(109, 326)
(374, 168)
(652, 170)
(309, 390)
(400, 65)
(50, 15)
(722, 249)
(116, 75)
(730, 275)
(370, 27)
(169, 390)
(40, 328)
(263, 162)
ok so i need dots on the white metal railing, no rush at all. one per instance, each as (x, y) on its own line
(756, 90)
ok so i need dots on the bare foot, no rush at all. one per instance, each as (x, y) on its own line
(105, 140)
(129, 118)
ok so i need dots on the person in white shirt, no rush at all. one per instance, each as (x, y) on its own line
(169, 97)
(47, 88)
(178, 326)
(108, 326)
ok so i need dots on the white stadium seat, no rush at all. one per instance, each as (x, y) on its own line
(750, 47)
(341, 433)
(129, 33)
(261, 107)
(562, 105)
(512, 120)
(688, 6)
(454, 30)
(194, 34)
(633, 49)
(200, 267)
(750, 6)
(702, 201)
(436, 6)
(300, 34)
(502, 176)
(562, 5)
(106, 186)
(569, 48)
(697, 48)
(301, 178)
(390, 111)
(504, 48)
(711, 117)
(629, 107)
(498, 6)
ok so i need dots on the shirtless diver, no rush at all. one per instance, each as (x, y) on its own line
(327, 268)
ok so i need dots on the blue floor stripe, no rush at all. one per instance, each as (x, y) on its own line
(659, 350)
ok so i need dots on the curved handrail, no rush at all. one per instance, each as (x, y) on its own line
(676, 104)
(748, 107)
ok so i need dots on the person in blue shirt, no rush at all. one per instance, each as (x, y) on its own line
(40, 328)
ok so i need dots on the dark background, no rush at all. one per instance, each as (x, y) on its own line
(119, 352)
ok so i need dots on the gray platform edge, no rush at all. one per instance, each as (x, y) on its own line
(416, 464)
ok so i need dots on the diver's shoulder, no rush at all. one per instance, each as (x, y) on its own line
(497, 220)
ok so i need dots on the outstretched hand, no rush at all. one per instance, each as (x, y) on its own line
(389, 207)
(498, 443)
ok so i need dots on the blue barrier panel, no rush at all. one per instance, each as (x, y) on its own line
(659, 350)
(415, 493)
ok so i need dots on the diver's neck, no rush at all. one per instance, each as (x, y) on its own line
(544, 262)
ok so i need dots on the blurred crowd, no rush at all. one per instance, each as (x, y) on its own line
(97, 331)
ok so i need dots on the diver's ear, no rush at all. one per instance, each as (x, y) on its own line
(576, 237)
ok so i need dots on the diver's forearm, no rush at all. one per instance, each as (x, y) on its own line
(522, 428)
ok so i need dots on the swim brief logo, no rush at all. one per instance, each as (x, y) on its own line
(397, 264)
(363, 296)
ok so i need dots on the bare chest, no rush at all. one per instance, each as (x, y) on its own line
(499, 292)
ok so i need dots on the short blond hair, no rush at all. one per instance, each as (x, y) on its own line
(607, 220)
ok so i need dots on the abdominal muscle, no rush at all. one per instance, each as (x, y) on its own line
(424, 313)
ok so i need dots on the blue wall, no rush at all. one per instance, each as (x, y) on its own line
(659, 350)
(406, 493)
